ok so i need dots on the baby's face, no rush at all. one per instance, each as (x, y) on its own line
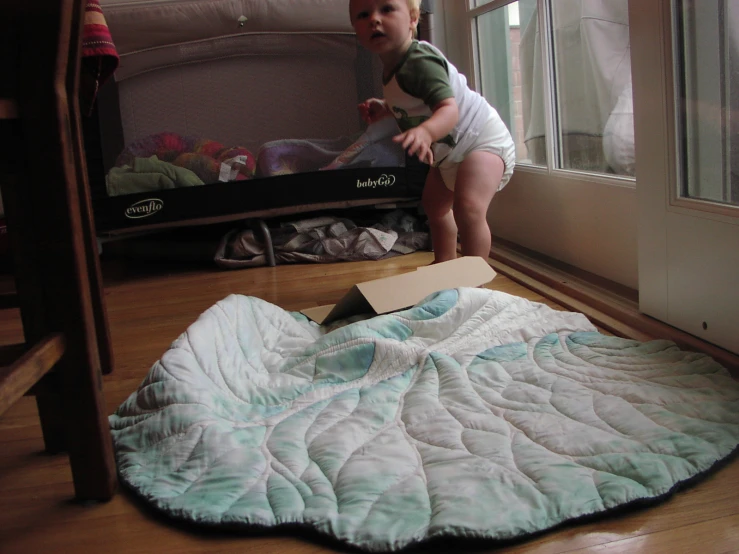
(382, 26)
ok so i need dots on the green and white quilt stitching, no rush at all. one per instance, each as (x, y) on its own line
(475, 413)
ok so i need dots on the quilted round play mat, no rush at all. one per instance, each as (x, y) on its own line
(473, 414)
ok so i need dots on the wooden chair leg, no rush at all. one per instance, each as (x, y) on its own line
(87, 429)
(88, 436)
(74, 419)
(86, 212)
(50, 407)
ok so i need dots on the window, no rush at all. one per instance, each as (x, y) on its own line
(497, 36)
(708, 56)
(559, 73)
(582, 214)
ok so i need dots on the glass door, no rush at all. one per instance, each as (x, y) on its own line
(687, 130)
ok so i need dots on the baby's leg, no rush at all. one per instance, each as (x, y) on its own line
(478, 178)
(437, 202)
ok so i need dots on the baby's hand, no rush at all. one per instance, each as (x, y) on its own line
(373, 110)
(417, 141)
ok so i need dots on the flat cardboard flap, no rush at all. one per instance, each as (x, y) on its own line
(390, 294)
(401, 291)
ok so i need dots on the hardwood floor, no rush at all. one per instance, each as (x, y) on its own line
(148, 308)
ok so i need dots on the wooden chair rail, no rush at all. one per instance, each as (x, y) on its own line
(19, 377)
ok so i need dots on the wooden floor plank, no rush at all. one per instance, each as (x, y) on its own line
(720, 535)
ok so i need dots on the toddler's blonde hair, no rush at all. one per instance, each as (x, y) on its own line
(414, 6)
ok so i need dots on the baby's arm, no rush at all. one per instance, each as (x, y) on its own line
(419, 139)
(373, 110)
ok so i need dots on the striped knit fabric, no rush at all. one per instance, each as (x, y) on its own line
(99, 54)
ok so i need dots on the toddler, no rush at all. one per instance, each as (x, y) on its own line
(442, 121)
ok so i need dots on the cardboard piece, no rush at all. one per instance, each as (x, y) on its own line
(390, 294)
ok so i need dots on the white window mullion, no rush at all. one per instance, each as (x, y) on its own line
(474, 77)
(550, 86)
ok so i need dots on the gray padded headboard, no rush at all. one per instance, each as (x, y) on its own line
(239, 72)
